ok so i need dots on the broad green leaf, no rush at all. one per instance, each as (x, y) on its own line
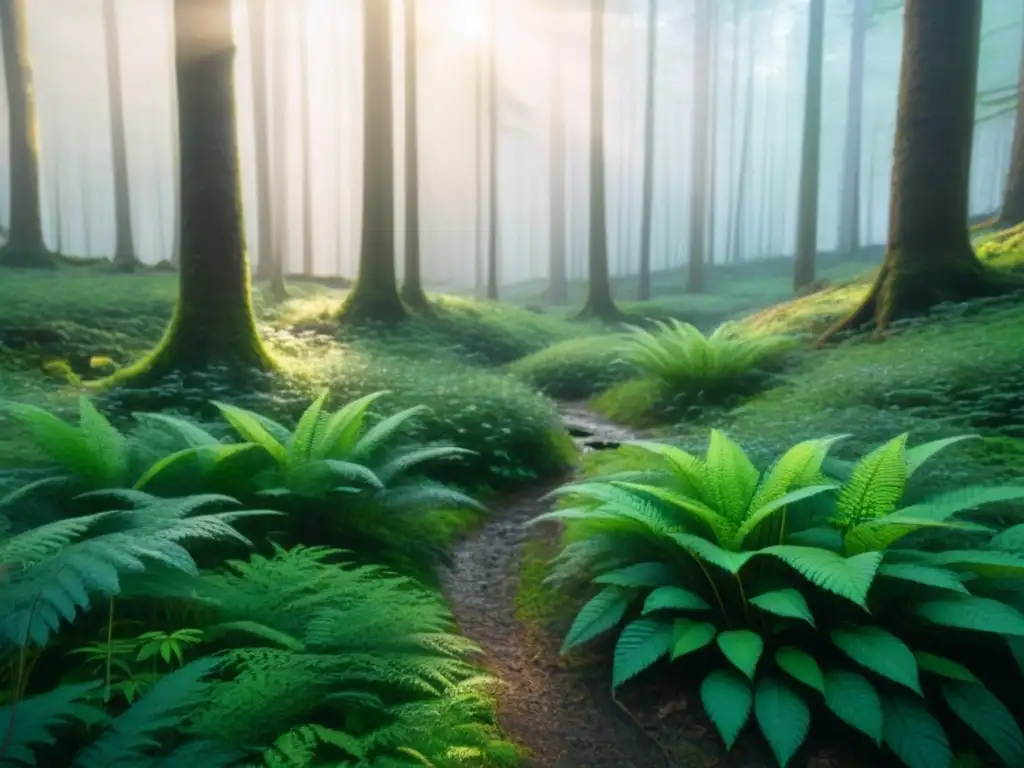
(1016, 645)
(982, 614)
(653, 574)
(785, 602)
(105, 442)
(340, 434)
(1010, 540)
(193, 434)
(919, 454)
(913, 734)
(731, 478)
(689, 468)
(940, 665)
(800, 666)
(711, 553)
(252, 430)
(316, 478)
(384, 430)
(163, 465)
(923, 574)
(300, 446)
(988, 717)
(848, 577)
(944, 506)
(689, 636)
(640, 645)
(727, 699)
(676, 500)
(784, 717)
(854, 701)
(822, 537)
(879, 535)
(881, 652)
(60, 441)
(766, 510)
(601, 613)
(877, 484)
(674, 598)
(982, 562)
(743, 649)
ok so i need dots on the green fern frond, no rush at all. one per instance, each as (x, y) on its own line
(30, 723)
(343, 429)
(253, 430)
(876, 486)
(384, 432)
(302, 441)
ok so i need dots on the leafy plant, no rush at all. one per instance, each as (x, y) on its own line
(707, 368)
(342, 478)
(772, 576)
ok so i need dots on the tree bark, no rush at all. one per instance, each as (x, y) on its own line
(558, 282)
(810, 159)
(492, 125)
(929, 259)
(261, 134)
(748, 127)
(600, 304)
(213, 324)
(375, 295)
(124, 245)
(849, 195)
(647, 222)
(307, 164)
(25, 246)
(1012, 212)
(734, 123)
(699, 148)
(412, 288)
(176, 167)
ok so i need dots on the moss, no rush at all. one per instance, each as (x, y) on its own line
(537, 603)
(576, 369)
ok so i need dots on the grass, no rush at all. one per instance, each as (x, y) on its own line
(578, 368)
(442, 362)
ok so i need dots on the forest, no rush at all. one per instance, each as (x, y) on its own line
(481, 383)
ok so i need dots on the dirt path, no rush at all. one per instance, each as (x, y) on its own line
(564, 716)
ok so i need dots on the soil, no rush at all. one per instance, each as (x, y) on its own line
(562, 710)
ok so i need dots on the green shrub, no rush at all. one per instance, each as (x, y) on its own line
(798, 583)
(577, 369)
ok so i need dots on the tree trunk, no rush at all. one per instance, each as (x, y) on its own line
(558, 283)
(715, 60)
(492, 123)
(647, 221)
(375, 295)
(58, 203)
(1012, 212)
(124, 245)
(849, 195)
(261, 135)
(277, 190)
(734, 123)
(213, 324)
(748, 127)
(699, 148)
(25, 246)
(412, 288)
(176, 168)
(929, 259)
(810, 159)
(307, 165)
(478, 140)
(600, 304)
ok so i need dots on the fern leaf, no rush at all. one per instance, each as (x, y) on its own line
(604, 611)
(766, 510)
(315, 478)
(717, 523)
(711, 553)
(878, 535)
(384, 431)
(848, 577)
(730, 479)
(640, 645)
(688, 468)
(654, 574)
(107, 445)
(919, 454)
(800, 465)
(943, 507)
(675, 599)
(60, 441)
(343, 428)
(253, 430)
(194, 435)
(876, 486)
(30, 722)
(301, 444)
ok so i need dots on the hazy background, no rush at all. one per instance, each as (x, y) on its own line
(67, 50)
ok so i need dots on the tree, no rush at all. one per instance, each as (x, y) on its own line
(25, 246)
(375, 295)
(699, 148)
(277, 193)
(124, 246)
(647, 216)
(929, 258)
(307, 165)
(600, 304)
(810, 159)
(558, 282)
(492, 129)
(412, 288)
(1012, 212)
(849, 200)
(213, 323)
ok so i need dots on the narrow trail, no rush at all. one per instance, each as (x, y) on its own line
(564, 716)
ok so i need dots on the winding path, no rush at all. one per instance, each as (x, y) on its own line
(564, 716)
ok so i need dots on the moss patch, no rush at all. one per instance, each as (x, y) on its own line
(577, 369)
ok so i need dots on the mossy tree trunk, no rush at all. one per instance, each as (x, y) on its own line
(600, 305)
(929, 259)
(213, 322)
(849, 195)
(647, 215)
(412, 287)
(307, 139)
(493, 219)
(699, 148)
(558, 280)
(124, 244)
(375, 295)
(1012, 212)
(25, 246)
(810, 159)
